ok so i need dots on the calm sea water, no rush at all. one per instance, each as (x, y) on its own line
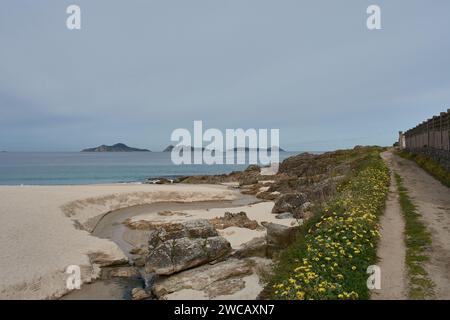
(57, 168)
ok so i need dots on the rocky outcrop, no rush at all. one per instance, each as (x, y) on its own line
(179, 246)
(214, 280)
(286, 215)
(105, 260)
(279, 237)
(139, 294)
(120, 272)
(238, 219)
(159, 180)
(256, 247)
(290, 202)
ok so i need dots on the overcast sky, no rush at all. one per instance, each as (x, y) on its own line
(137, 70)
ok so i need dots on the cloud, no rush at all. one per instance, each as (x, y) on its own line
(137, 70)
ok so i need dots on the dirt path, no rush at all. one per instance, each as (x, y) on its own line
(433, 202)
(391, 248)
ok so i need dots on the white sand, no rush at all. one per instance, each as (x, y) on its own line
(38, 240)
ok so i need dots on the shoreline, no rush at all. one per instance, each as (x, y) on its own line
(46, 228)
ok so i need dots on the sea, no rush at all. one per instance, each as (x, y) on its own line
(75, 168)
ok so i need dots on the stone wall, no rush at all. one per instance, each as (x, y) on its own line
(442, 156)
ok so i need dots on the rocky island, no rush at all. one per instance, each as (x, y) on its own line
(118, 147)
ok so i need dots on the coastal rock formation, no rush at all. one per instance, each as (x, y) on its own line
(279, 237)
(118, 147)
(179, 246)
(290, 202)
(286, 215)
(238, 219)
(214, 280)
(104, 259)
(120, 272)
(159, 180)
(257, 247)
(139, 294)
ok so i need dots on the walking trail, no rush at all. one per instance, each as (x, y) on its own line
(391, 248)
(433, 204)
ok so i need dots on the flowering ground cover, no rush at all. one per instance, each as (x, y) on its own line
(333, 249)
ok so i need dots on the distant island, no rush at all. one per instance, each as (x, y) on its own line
(169, 148)
(118, 147)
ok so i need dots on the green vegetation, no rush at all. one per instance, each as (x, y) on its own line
(417, 239)
(333, 249)
(431, 166)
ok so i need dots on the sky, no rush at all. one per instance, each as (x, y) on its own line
(137, 70)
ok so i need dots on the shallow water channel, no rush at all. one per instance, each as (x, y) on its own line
(111, 226)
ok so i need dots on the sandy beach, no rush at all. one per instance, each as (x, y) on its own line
(44, 229)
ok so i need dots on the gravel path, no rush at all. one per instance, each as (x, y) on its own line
(433, 203)
(391, 248)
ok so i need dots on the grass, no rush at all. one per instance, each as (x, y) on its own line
(429, 165)
(330, 256)
(417, 239)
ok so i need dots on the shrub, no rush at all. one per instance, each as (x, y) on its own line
(429, 165)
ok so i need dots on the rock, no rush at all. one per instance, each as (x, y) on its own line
(279, 237)
(239, 219)
(179, 254)
(165, 231)
(139, 294)
(139, 251)
(161, 180)
(139, 261)
(256, 247)
(251, 189)
(289, 202)
(219, 279)
(280, 234)
(266, 195)
(248, 180)
(199, 228)
(253, 168)
(120, 272)
(306, 206)
(178, 246)
(105, 260)
(286, 215)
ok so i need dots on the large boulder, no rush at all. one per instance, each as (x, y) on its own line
(290, 202)
(179, 254)
(257, 247)
(139, 294)
(238, 219)
(223, 278)
(180, 246)
(279, 237)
